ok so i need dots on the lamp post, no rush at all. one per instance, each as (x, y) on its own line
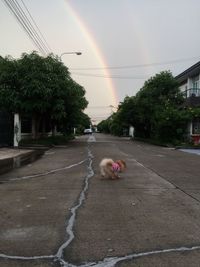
(70, 53)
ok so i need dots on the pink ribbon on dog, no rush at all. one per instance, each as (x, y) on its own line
(115, 167)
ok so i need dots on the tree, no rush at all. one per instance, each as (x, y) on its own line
(105, 125)
(43, 89)
(155, 112)
(84, 122)
(9, 85)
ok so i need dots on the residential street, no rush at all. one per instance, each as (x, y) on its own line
(57, 211)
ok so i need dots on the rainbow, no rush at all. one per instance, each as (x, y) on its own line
(97, 52)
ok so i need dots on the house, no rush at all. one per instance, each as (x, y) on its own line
(189, 82)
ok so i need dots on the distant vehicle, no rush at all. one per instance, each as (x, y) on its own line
(88, 131)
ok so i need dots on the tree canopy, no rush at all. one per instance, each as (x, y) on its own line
(156, 111)
(43, 89)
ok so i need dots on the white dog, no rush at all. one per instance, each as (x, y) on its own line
(110, 168)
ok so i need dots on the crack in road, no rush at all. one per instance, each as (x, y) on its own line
(69, 229)
(44, 173)
(70, 225)
(106, 262)
(112, 261)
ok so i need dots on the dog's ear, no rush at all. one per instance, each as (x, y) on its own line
(121, 162)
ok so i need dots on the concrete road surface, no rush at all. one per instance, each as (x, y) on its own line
(58, 212)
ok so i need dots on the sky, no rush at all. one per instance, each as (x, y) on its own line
(123, 42)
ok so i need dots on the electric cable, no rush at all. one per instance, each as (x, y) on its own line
(22, 18)
(47, 45)
(110, 76)
(140, 65)
(26, 20)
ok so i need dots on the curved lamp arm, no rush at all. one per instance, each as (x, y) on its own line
(68, 53)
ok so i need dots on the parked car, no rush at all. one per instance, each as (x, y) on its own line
(88, 131)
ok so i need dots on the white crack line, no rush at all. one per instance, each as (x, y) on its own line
(45, 173)
(107, 262)
(111, 262)
(70, 225)
(4, 256)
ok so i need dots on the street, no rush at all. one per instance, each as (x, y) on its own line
(57, 211)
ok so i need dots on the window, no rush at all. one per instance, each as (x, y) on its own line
(195, 87)
(196, 126)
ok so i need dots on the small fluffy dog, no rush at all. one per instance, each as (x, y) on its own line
(110, 168)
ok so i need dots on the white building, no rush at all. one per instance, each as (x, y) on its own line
(189, 81)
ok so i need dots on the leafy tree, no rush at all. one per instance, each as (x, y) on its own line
(43, 89)
(9, 85)
(124, 116)
(104, 125)
(156, 111)
(158, 93)
(84, 123)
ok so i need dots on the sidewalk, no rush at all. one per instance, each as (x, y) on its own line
(13, 157)
(6, 153)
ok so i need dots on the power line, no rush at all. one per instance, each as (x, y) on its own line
(47, 45)
(24, 21)
(38, 38)
(36, 34)
(140, 65)
(98, 107)
(100, 117)
(110, 76)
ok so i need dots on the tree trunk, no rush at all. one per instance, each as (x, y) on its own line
(34, 131)
(43, 126)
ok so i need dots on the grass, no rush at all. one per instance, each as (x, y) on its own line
(173, 143)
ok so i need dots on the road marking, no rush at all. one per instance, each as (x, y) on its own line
(91, 138)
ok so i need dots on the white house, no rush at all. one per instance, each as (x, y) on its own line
(189, 81)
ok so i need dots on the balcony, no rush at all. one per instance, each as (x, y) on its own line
(195, 92)
(192, 96)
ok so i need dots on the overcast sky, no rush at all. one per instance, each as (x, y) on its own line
(120, 41)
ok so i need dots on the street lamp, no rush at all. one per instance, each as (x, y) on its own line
(68, 53)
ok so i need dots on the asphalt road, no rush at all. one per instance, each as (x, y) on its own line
(58, 212)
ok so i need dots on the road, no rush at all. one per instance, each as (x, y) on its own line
(58, 212)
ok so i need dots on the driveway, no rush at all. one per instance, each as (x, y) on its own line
(58, 212)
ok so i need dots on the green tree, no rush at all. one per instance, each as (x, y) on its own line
(105, 125)
(158, 93)
(156, 111)
(83, 123)
(43, 89)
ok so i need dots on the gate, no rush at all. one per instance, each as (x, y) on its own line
(6, 129)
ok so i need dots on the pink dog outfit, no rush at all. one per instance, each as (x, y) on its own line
(115, 167)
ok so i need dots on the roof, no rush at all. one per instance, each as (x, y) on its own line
(192, 71)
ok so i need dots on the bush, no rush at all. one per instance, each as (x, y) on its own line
(47, 141)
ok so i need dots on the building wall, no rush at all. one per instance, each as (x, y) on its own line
(183, 87)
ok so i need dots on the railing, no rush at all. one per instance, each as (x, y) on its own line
(192, 92)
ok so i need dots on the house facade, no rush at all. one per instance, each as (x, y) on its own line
(189, 84)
